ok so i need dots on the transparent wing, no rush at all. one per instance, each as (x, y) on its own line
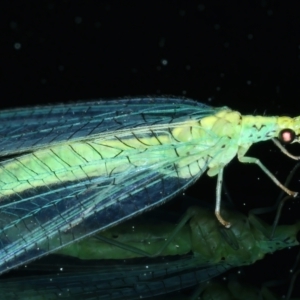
(37, 211)
(30, 225)
(27, 129)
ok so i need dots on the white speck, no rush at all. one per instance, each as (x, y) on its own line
(250, 36)
(50, 6)
(201, 7)
(222, 75)
(188, 67)
(218, 88)
(209, 99)
(244, 204)
(182, 13)
(78, 20)
(164, 62)
(43, 81)
(162, 42)
(13, 25)
(249, 82)
(270, 12)
(61, 269)
(17, 46)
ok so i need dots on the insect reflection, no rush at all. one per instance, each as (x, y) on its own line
(143, 258)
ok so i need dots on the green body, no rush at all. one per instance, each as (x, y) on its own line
(211, 141)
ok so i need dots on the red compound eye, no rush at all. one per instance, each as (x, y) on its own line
(287, 135)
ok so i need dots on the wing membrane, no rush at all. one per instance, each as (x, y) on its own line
(27, 129)
(42, 198)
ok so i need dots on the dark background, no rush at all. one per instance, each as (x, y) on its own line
(242, 54)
